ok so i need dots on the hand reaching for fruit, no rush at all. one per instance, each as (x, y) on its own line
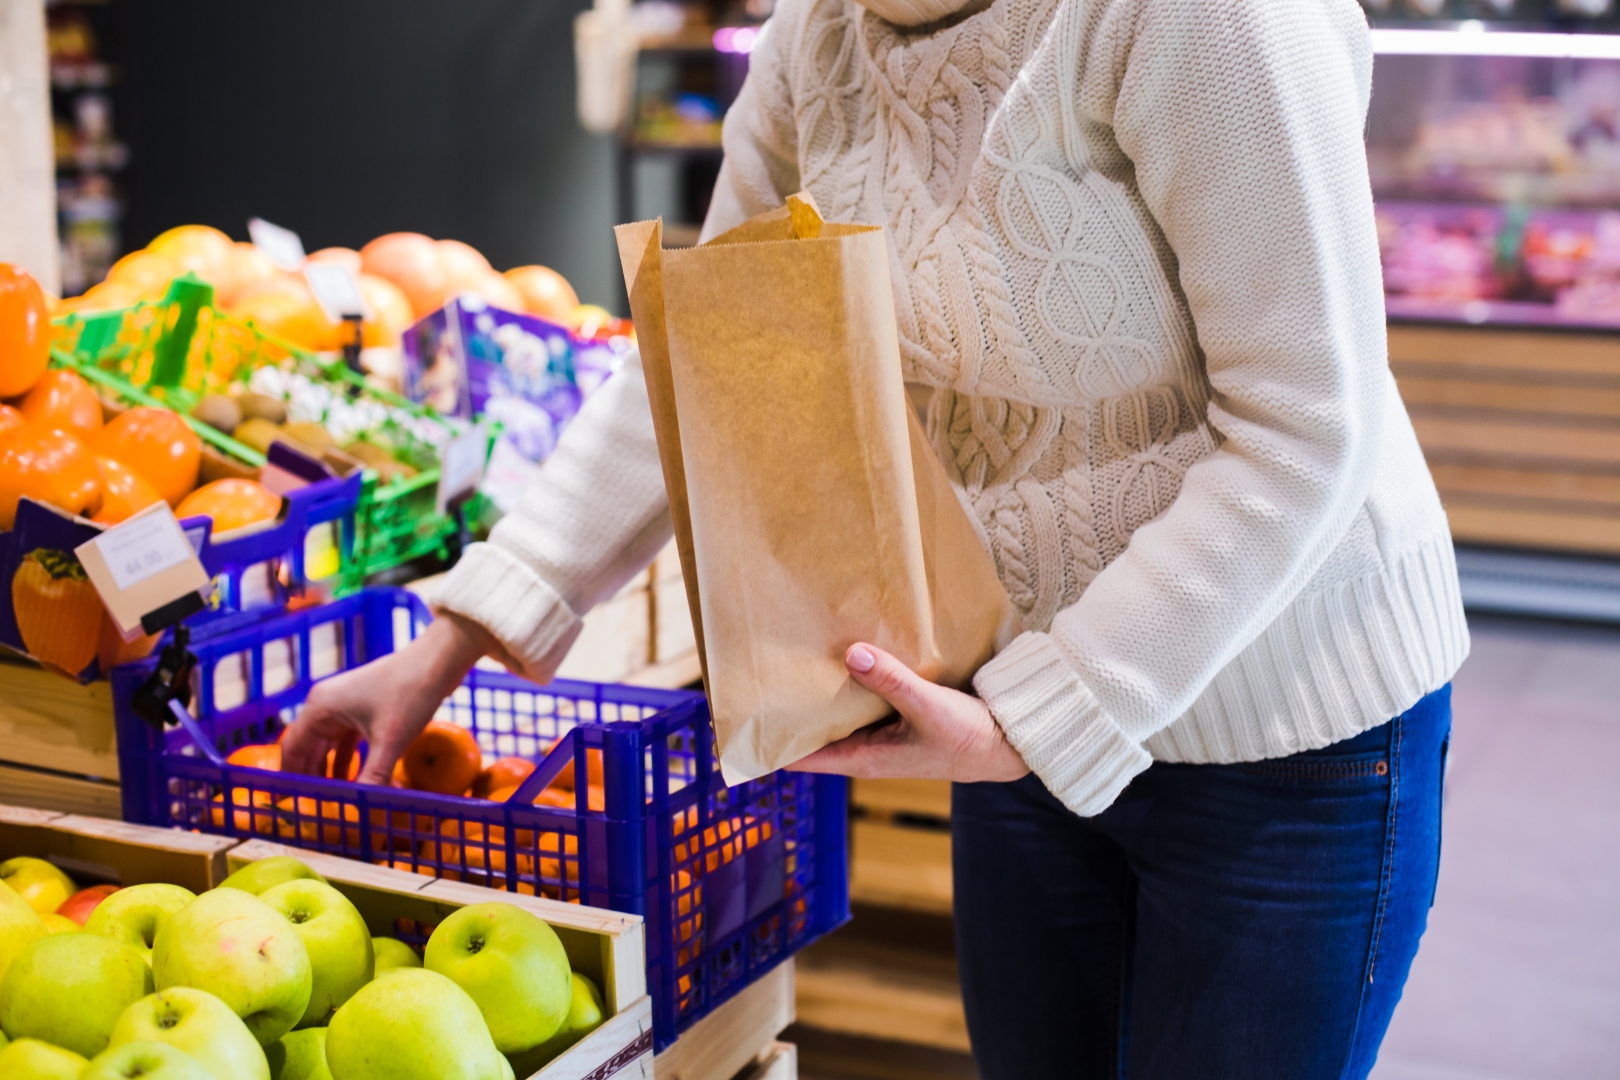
(387, 702)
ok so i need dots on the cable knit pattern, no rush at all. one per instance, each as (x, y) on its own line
(1134, 258)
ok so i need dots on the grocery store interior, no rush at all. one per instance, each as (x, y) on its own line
(357, 260)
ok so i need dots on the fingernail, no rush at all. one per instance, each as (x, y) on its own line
(860, 659)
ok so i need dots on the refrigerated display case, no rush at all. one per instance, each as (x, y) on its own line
(1493, 147)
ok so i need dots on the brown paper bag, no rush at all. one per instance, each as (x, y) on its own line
(809, 510)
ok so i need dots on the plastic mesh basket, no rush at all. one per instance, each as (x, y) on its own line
(177, 350)
(731, 880)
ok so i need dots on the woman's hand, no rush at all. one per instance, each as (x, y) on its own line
(938, 734)
(386, 702)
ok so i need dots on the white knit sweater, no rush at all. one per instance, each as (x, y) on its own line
(1134, 257)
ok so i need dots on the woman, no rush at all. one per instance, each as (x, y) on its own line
(1196, 818)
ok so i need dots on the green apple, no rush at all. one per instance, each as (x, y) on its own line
(231, 944)
(68, 989)
(147, 1060)
(136, 914)
(584, 1017)
(258, 876)
(20, 926)
(300, 1055)
(59, 924)
(30, 1059)
(413, 1025)
(393, 953)
(38, 882)
(198, 1023)
(513, 966)
(336, 938)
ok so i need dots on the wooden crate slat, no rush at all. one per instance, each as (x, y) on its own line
(722, 1044)
(931, 798)
(22, 786)
(1586, 533)
(1598, 491)
(900, 867)
(1446, 437)
(54, 723)
(1519, 396)
(1507, 350)
(900, 995)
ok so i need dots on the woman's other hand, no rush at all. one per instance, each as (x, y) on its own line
(386, 702)
(937, 734)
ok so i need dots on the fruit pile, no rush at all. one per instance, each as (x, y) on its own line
(403, 276)
(445, 759)
(274, 975)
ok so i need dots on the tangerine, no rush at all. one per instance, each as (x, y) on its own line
(108, 296)
(341, 255)
(232, 503)
(545, 292)
(157, 444)
(202, 249)
(391, 313)
(462, 263)
(508, 772)
(47, 465)
(257, 756)
(145, 274)
(25, 330)
(498, 292)
(291, 312)
(445, 758)
(62, 399)
(124, 492)
(245, 267)
(411, 261)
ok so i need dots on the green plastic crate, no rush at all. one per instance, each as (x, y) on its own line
(177, 350)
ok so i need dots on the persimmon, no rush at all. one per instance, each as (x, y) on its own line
(124, 492)
(48, 465)
(157, 444)
(113, 651)
(445, 759)
(25, 330)
(58, 611)
(508, 772)
(411, 261)
(10, 418)
(63, 400)
(231, 503)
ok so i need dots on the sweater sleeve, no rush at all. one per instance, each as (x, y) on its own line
(598, 512)
(1243, 121)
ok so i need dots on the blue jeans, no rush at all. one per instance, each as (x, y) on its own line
(1219, 922)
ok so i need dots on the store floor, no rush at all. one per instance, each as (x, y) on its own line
(1519, 974)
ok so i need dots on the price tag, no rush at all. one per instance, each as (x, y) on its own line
(461, 466)
(146, 571)
(337, 291)
(283, 246)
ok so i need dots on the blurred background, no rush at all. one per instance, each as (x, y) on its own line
(528, 128)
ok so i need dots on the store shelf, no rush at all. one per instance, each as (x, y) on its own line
(900, 845)
(856, 986)
(1520, 583)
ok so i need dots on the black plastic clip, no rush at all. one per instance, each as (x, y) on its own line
(170, 682)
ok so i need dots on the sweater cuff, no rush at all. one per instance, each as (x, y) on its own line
(532, 622)
(1057, 725)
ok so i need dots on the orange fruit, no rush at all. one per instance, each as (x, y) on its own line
(158, 445)
(411, 261)
(462, 263)
(445, 758)
(391, 313)
(144, 273)
(245, 267)
(260, 819)
(232, 504)
(25, 330)
(124, 492)
(292, 314)
(203, 250)
(498, 292)
(48, 465)
(257, 756)
(10, 418)
(62, 399)
(341, 255)
(545, 292)
(108, 296)
(507, 773)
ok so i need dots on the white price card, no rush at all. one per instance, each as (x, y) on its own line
(337, 291)
(282, 246)
(461, 465)
(142, 566)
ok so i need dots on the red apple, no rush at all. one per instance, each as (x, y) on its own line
(79, 906)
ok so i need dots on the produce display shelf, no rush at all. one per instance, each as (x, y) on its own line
(732, 881)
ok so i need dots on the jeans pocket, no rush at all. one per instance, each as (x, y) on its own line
(1316, 767)
(1440, 820)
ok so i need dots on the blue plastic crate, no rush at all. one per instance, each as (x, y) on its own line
(731, 880)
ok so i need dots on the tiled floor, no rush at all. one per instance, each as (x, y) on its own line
(1519, 974)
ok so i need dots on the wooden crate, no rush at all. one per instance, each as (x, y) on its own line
(1521, 430)
(737, 1036)
(900, 844)
(128, 854)
(50, 722)
(605, 945)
